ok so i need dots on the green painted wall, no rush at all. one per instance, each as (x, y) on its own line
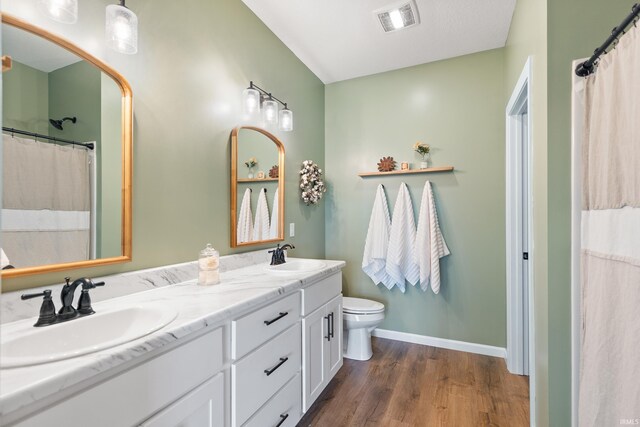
(74, 91)
(572, 36)
(457, 107)
(528, 38)
(194, 60)
(110, 197)
(25, 99)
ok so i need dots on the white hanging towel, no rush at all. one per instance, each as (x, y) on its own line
(401, 259)
(374, 259)
(244, 232)
(275, 212)
(261, 223)
(430, 245)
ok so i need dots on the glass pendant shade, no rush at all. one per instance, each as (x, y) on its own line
(270, 112)
(286, 120)
(122, 29)
(65, 11)
(250, 102)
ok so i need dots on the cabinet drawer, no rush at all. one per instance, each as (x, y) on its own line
(263, 372)
(285, 407)
(319, 294)
(131, 397)
(252, 330)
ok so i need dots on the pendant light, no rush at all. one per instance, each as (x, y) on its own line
(65, 11)
(286, 119)
(270, 112)
(122, 29)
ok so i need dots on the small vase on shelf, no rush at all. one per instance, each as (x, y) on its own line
(250, 174)
(424, 164)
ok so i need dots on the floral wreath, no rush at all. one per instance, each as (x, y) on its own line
(311, 183)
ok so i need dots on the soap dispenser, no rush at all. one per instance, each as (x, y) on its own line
(208, 266)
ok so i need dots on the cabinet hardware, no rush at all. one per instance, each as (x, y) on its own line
(332, 324)
(272, 370)
(282, 314)
(284, 418)
(328, 336)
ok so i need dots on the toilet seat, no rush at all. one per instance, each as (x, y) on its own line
(361, 306)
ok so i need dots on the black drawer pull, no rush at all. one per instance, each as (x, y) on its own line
(284, 418)
(328, 337)
(272, 370)
(282, 314)
(332, 320)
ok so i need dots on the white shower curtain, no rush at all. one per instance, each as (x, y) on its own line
(609, 379)
(47, 202)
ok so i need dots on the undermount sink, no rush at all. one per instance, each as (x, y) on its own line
(25, 345)
(297, 266)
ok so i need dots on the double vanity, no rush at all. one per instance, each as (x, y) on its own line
(255, 350)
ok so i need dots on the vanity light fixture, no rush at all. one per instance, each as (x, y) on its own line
(122, 28)
(256, 99)
(65, 11)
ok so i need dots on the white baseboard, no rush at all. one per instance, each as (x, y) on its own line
(468, 347)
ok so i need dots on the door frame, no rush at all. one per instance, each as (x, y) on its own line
(520, 102)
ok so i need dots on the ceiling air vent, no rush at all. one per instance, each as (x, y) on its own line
(398, 16)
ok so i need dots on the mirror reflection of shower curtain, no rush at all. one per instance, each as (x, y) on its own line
(609, 386)
(47, 202)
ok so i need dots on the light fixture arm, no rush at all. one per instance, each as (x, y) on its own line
(265, 93)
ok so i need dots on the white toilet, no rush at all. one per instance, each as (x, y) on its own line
(361, 317)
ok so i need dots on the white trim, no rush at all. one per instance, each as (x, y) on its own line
(521, 100)
(577, 109)
(469, 347)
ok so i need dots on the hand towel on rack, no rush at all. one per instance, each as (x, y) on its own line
(275, 212)
(430, 245)
(261, 223)
(401, 259)
(4, 259)
(375, 247)
(244, 231)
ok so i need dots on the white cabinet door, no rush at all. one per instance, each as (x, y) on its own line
(334, 359)
(315, 352)
(202, 407)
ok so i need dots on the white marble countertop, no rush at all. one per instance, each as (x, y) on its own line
(26, 389)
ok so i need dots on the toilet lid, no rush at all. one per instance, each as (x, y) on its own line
(360, 305)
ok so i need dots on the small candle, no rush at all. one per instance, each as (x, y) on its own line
(405, 166)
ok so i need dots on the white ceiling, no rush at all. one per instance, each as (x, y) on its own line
(34, 51)
(342, 39)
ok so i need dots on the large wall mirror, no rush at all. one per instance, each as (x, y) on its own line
(257, 187)
(67, 155)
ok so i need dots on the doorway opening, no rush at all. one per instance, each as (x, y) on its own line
(519, 231)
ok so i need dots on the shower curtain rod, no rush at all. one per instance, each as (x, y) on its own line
(588, 67)
(89, 145)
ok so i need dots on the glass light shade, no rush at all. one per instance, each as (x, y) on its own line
(122, 29)
(250, 101)
(270, 112)
(286, 120)
(65, 11)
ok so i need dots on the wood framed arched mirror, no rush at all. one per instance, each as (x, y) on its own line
(67, 155)
(257, 187)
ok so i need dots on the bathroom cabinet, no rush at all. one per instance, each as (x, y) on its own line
(174, 386)
(322, 337)
(264, 365)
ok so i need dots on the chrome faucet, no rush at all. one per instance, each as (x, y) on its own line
(48, 315)
(277, 256)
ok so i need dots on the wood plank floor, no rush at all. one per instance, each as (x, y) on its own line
(413, 385)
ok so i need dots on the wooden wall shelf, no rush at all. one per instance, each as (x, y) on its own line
(258, 180)
(407, 172)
